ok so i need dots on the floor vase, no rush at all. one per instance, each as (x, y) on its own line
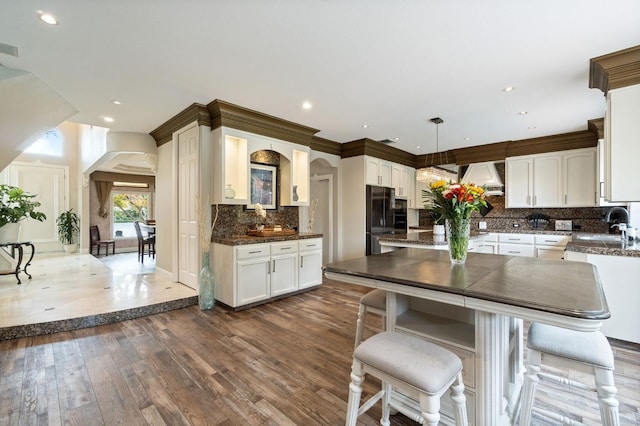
(458, 231)
(206, 285)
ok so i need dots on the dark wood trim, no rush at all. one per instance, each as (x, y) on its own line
(615, 70)
(326, 145)
(236, 117)
(122, 177)
(596, 126)
(379, 150)
(560, 142)
(194, 112)
(477, 154)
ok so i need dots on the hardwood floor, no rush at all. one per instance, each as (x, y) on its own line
(283, 363)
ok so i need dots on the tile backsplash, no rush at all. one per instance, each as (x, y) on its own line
(587, 219)
(236, 220)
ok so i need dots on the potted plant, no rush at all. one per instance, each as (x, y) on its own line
(68, 227)
(16, 205)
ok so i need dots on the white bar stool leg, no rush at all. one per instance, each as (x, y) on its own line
(607, 401)
(355, 391)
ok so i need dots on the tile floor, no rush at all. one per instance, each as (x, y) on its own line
(80, 285)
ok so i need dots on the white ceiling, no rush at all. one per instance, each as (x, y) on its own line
(390, 64)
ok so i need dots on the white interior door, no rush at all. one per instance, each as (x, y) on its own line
(50, 185)
(322, 189)
(188, 172)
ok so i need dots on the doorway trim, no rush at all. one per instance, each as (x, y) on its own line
(330, 234)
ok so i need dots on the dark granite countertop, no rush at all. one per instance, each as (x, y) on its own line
(566, 288)
(238, 240)
(607, 248)
(505, 230)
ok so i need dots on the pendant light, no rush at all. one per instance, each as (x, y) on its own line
(432, 172)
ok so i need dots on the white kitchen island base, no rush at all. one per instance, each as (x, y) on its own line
(477, 310)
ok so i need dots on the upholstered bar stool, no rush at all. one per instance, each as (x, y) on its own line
(418, 368)
(374, 302)
(582, 350)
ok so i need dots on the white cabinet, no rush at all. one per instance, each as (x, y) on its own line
(284, 262)
(533, 181)
(579, 168)
(378, 172)
(310, 258)
(519, 183)
(232, 153)
(547, 181)
(295, 178)
(560, 179)
(403, 181)
(550, 246)
(252, 269)
(516, 245)
(622, 150)
(254, 273)
(231, 176)
(618, 275)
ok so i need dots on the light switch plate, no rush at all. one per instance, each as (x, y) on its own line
(482, 225)
(564, 225)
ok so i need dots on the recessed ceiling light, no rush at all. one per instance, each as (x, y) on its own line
(306, 105)
(47, 18)
(396, 139)
(509, 89)
(418, 147)
(531, 127)
(467, 139)
(108, 119)
(365, 126)
(522, 113)
(116, 102)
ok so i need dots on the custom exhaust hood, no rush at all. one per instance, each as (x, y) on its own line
(485, 174)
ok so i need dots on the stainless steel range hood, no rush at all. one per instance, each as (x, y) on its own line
(485, 174)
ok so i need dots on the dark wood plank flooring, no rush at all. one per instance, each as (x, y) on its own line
(284, 363)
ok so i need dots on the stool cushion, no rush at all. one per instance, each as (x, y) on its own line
(410, 359)
(587, 347)
(376, 299)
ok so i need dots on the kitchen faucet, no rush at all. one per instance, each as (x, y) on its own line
(622, 226)
(607, 218)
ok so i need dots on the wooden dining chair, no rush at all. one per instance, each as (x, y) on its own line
(145, 244)
(96, 241)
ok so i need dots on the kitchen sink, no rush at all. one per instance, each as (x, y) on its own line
(598, 237)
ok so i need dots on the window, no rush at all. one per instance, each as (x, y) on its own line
(48, 144)
(127, 207)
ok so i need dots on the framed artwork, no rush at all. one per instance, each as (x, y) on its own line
(263, 186)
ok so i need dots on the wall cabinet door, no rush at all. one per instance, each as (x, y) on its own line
(519, 187)
(402, 178)
(580, 179)
(622, 149)
(547, 181)
(378, 172)
(252, 281)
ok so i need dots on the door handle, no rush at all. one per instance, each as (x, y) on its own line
(301, 261)
(273, 269)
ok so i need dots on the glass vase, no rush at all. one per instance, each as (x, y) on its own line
(206, 289)
(458, 231)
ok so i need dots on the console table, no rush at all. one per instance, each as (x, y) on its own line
(476, 310)
(18, 247)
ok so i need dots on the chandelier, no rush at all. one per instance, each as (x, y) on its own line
(434, 173)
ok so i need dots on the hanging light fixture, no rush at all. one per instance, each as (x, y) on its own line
(432, 172)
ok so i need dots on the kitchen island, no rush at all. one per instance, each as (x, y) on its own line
(477, 309)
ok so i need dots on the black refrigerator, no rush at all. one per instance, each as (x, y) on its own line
(386, 215)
